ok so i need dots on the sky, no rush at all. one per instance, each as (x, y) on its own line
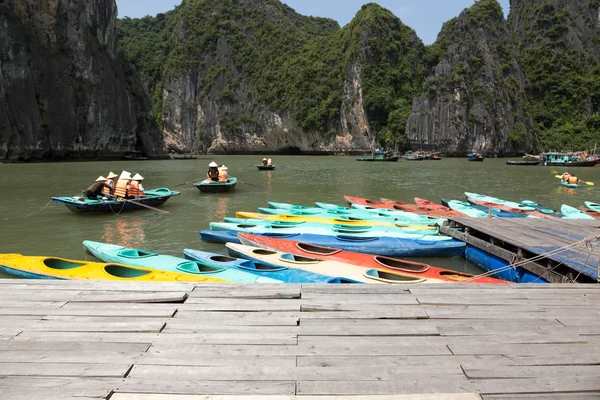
(424, 16)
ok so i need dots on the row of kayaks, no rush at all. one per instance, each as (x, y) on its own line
(259, 259)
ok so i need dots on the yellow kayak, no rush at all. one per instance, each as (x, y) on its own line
(330, 221)
(59, 268)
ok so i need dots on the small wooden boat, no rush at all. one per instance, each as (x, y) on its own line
(569, 185)
(146, 259)
(363, 260)
(134, 156)
(475, 157)
(384, 246)
(573, 213)
(25, 267)
(207, 186)
(280, 273)
(401, 206)
(184, 157)
(324, 267)
(266, 167)
(381, 156)
(511, 162)
(83, 205)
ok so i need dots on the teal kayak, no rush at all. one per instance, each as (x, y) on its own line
(361, 228)
(569, 185)
(326, 230)
(592, 206)
(465, 208)
(111, 253)
(495, 200)
(573, 213)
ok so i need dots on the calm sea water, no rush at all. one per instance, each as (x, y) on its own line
(27, 188)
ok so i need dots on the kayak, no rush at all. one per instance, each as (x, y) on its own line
(414, 229)
(495, 200)
(146, 259)
(325, 267)
(280, 273)
(436, 206)
(384, 246)
(265, 167)
(573, 213)
(532, 214)
(541, 208)
(394, 205)
(592, 206)
(383, 212)
(25, 267)
(363, 260)
(379, 221)
(321, 229)
(424, 206)
(207, 186)
(465, 208)
(501, 267)
(591, 213)
(83, 205)
(569, 185)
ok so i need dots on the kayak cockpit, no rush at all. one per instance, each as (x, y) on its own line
(311, 248)
(122, 271)
(134, 253)
(57, 263)
(401, 265)
(390, 277)
(192, 267)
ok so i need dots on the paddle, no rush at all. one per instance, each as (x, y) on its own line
(246, 183)
(141, 205)
(186, 183)
(578, 180)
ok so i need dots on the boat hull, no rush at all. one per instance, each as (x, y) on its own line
(589, 163)
(266, 167)
(523, 163)
(370, 159)
(207, 186)
(569, 185)
(492, 263)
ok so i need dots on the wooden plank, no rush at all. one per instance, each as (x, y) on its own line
(390, 361)
(145, 396)
(406, 328)
(118, 309)
(519, 372)
(247, 291)
(354, 289)
(64, 369)
(353, 306)
(53, 394)
(227, 337)
(160, 357)
(487, 327)
(198, 387)
(38, 336)
(174, 348)
(198, 318)
(73, 346)
(255, 305)
(531, 349)
(58, 357)
(130, 297)
(377, 298)
(109, 326)
(543, 396)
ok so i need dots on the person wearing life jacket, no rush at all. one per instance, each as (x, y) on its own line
(111, 182)
(269, 162)
(565, 177)
(121, 186)
(135, 188)
(573, 180)
(213, 172)
(264, 162)
(96, 190)
(223, 174)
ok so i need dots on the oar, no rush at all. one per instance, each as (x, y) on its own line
(246, 183)
(186, 183)
(143, 205)
(578, 180)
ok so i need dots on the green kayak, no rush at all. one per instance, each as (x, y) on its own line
(141, 258)
(573, 213)
(569, 185)
(592, 206)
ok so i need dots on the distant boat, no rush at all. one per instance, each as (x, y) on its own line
(134, 156)
(410, 156)
(475, 157)
(381, 155)
(511, 162)
(579, 159)
(184, 157)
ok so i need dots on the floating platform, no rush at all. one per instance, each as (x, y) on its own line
(172, 341)
(519, 239)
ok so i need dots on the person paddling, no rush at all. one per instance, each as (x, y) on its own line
(566, 176)
(264, 162)
(111, 182)
(269, 162)
(213, 172)
(96, 190)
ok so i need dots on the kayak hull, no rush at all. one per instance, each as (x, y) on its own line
(501, 268)
(569, 185)
(400, 206)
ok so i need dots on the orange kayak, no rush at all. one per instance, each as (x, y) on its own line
(401, 206)
(436, 206)
(367, 261)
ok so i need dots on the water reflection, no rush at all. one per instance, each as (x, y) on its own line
(126, 232)
(222, 208)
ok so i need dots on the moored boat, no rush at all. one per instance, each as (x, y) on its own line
(568, 159)
(500, 267)
(524, 162)
(319, 266)
(592, 206)
(207, 186)
(146, 259)
(83, 205)
(495, 200)
(25, 267)
(541, 208)
(381, 155)
(400, 206)
(363, 260)
(475, 157)
(280, 273)
(526, 210)
(184, 157)
(573, 213)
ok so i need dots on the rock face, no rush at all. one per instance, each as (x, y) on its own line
(473, 98)
(65, 92)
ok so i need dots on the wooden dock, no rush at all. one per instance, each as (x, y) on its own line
(519, 239)
(179, 341)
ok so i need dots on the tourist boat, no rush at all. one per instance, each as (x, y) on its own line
(325, 267)
(363, 260)
(146, 259)
(322, 229)
(280, 273)
(383, 246)
(569, 185)
(332, 221)
(573, 213)
(184, 157)
(510, 162)
(500, 267)
(83, 205)
(25, 267)
(400, 206)
(266, 167)
(381, 155)
(208, 186)
(578, 159)
(475, 157)
(410, 156)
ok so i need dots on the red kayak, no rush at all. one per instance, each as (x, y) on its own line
(436, 206)
(364, 260)
(503, 207)
(401, 206)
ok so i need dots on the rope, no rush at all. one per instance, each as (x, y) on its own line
(41, 209)
(113, 211)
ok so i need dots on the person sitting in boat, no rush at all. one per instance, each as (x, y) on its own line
(264, 162)
(573, 180)
(213, 172)
(95, 191)
(565, 177)
(223, 174)
(111, 182)
(135, 188)
(269, 162)
(122, 184)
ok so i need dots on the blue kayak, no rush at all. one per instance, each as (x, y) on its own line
(111, 253)
(492, 263)
(383, 246)
(280, 273)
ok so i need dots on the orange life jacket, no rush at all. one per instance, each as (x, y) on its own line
(269, 162)
(134, 189)
(222, 175)
(121, 189)
(105, 190)
(573, 179)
